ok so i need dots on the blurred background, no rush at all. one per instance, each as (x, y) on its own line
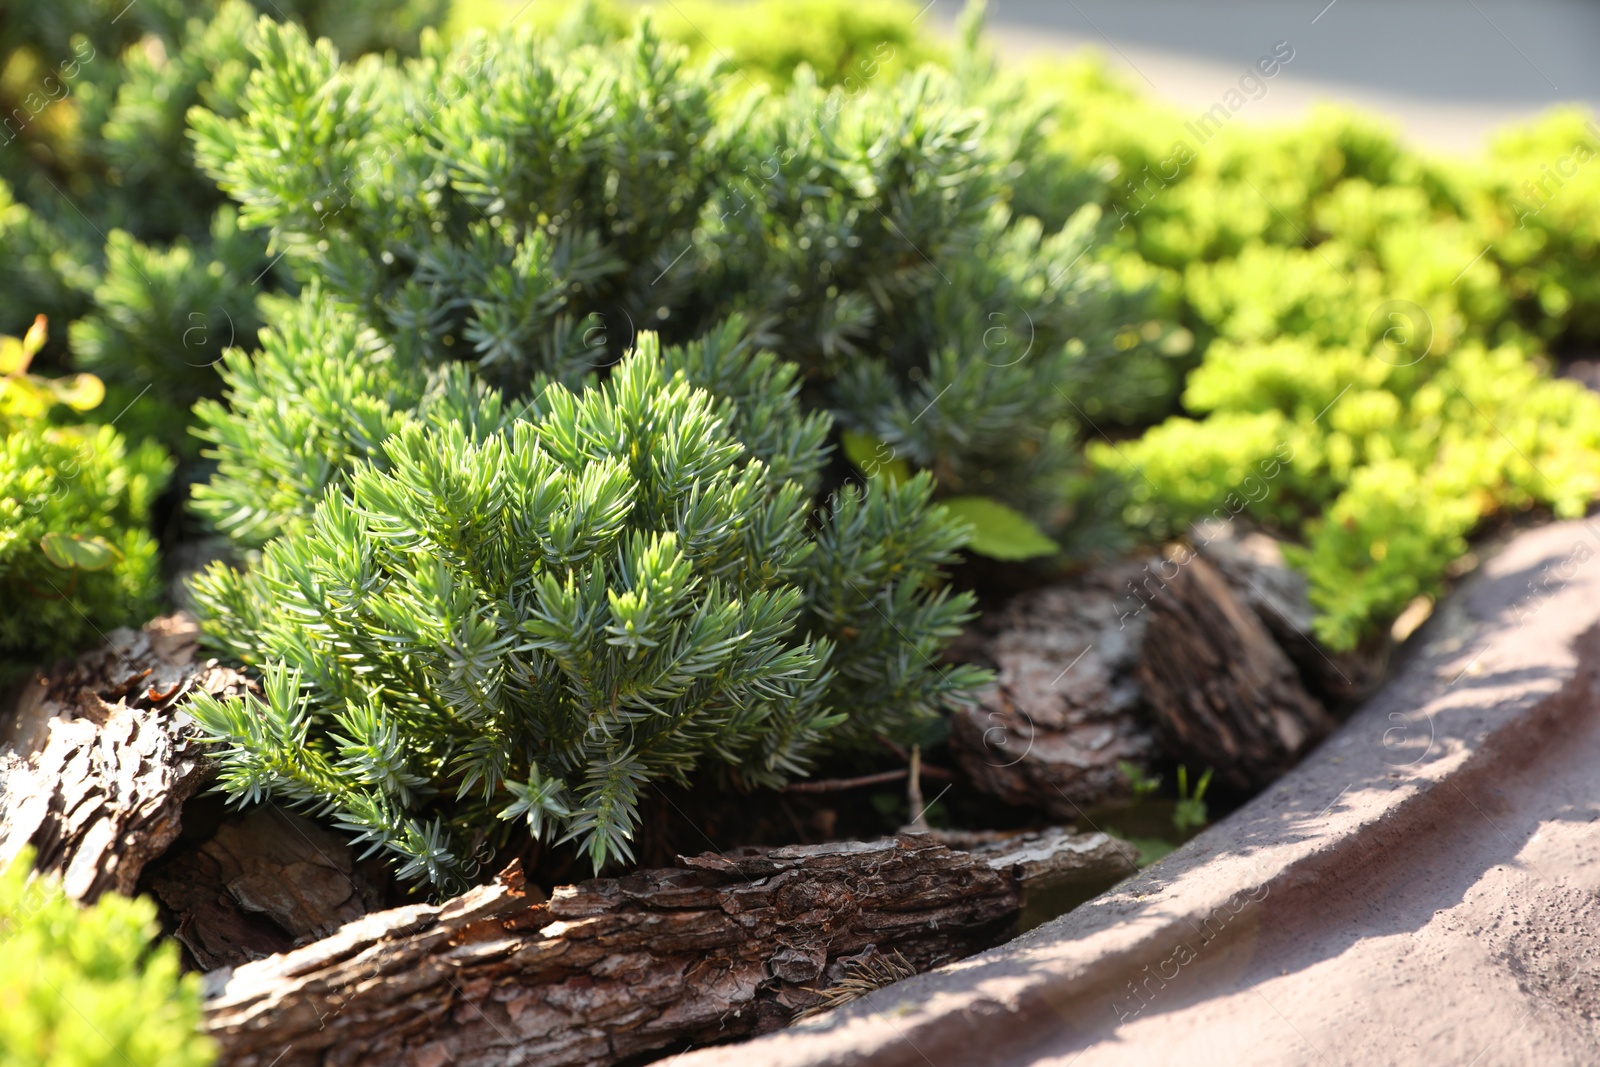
(1447, 72)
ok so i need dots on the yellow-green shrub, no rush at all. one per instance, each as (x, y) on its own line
(847, 43)
(84, 987)
(1375, 326)
(76, 557)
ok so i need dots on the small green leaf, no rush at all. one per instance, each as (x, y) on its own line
(22, 397)
(1000, 532)
(1142, 785)
(873, 458)
(13, 357)
(75, 550)
(81, 392)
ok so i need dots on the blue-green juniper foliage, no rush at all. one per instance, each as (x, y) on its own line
(529, 204)
(529, 612)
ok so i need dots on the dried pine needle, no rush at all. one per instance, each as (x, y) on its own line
(863, 978)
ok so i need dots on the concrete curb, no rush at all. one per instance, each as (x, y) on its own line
(1438, 791)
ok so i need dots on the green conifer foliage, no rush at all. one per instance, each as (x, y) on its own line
(322, 394)
(95, 95)
(530, 613)
(529, 205)
(43, 270)
(106, 225)
(163, 316)
(845, 42)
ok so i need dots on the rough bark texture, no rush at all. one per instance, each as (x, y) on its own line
(98, 775)
(1254, 567)
(1065, 708)
(258, 883)
(728, 946)
(94, 767)
(1043, 860)
(1223, 694)
(1139, 661)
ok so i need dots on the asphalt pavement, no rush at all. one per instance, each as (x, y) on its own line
(1446, 72)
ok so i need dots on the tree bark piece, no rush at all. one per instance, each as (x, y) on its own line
(1253, 564)
(1223, 693)
(1046, 859)
(95, 768)
(263, 881)
(727, 946)
(1066, 708)
(1138, 661)
(99, 774)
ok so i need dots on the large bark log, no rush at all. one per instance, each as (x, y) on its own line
(728, 946)
(1223, 694)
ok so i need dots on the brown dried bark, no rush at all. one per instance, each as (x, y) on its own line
(94, 766)
(728, 946)
(1066, 708)
(260, 882)
(100, 777)
(1254, 567)
(1142, 660)
(1223, 694)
